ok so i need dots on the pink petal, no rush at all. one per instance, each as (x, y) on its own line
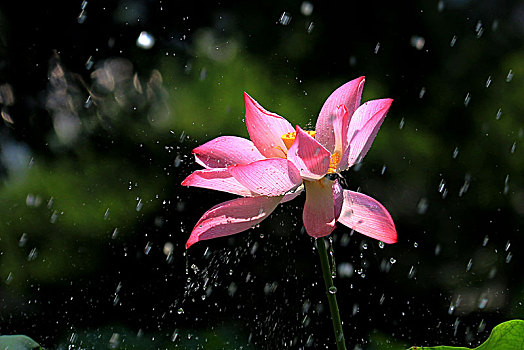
(364, 126)
(232, 217)
(225, 151)
(348, 95)
(367, 216)
(267, 177)
(309, 156)
(265, 129)
(338, 198)
(217, 179)
(292, 195)
(319, 212)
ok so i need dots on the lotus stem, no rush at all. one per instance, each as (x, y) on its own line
(331, 291)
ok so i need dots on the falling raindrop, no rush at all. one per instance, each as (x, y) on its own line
(417, 42)
(467, 99)
(440, 6)
(147, 248)
(499, 113)
(437, 249)
(509, 77)
(401, 124)
(453, 41)
(508, 257)
(174, 336)
(9, 278)
(422, 205)
(114, 235)
(422, 92)
(506, 184)
(306, 8)
(377, 47)
(345, 270)
(508, 244)
(411, 272)
(479, 29)
(488, 82)
(285, 18)
(145, 40)
(470, 263)
(483, 302)
(23, 240)
(485, 241)
(455, 152)
(139, 204)
(310, 27)
(513, 147)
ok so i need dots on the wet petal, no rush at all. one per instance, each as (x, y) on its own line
(364, 126)
(266, 128)
(268, 177)
(232, 217)
(319, 212)
(217, 179)
(348, 95)
(225, 151)
(367, 216)
(338, 198)
(292, 195)
(309, 156)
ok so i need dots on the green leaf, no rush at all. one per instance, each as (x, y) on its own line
(17, 342)
(508, 335)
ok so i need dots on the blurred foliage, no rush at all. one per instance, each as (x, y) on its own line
(18, 342)
(97, 137)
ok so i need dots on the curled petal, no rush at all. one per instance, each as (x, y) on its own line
(268, 177)
(347, 95)
(265, 129)
(319, 213)
(364, 126)
(309, 156)
(232, 217)
(217, 179)
(367, 216)
(225, 151)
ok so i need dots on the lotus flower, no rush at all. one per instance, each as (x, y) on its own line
(280, 161)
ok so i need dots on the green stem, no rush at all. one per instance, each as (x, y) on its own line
(331, 294)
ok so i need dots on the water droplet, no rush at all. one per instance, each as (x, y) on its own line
(364, 245)
(145, 40)
(381, 244)
(483, 302)
(401, 124)
(415, 245)
(392, 260)
(453, 41)
(467, 99)
(417, 42)
(23, 240)
(422, 205)
(180, 311)
(499, 113)
(377, 47)
(488, 82)
(470, 263)
(332, 290)
(345, 270)
(455, 153)
(147, 248)
(306, 8)
(285, 18)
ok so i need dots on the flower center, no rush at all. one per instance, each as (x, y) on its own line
(289, 138)
(333, 163)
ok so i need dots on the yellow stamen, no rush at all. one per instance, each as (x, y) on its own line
(289, 138)
(333, 163)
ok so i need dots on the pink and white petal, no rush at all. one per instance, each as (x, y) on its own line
(225, 151)
(367, 216)
(319, 213)
(268, 177)
(217, 179)
(265, 129)
(348, 95)
(338, 198)
(364, 126)
(309, 156)
(232, 217)
(292, 195)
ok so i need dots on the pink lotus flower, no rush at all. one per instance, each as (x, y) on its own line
(280, 161)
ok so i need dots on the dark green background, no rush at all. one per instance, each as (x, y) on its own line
(446, 163)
